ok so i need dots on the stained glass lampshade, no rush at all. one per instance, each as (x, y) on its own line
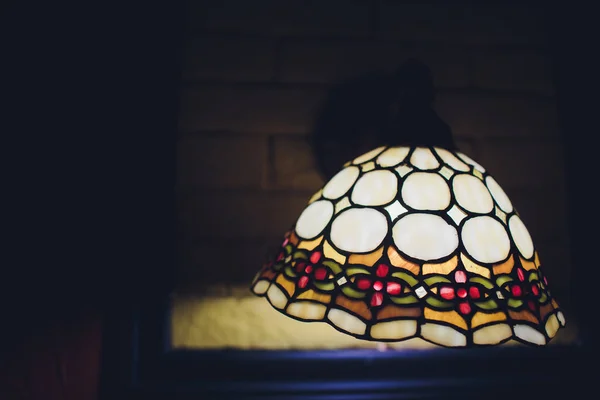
(413, 241)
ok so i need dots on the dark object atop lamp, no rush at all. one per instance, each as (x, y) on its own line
(413, 121)
(377, 109)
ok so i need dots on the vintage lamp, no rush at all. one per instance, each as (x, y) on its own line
(414, 239)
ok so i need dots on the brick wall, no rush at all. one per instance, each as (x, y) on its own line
(255, 72)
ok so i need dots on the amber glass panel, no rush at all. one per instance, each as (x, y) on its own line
(451, 317)
(523, 315)
(366, 259)
(505, 267)
(442, 268)
(356, 306)
(391, 311)
(268, 274)
(398, 261)
(312, 295)
(287, 285)
(473, 267)
(527, 265)
(545, 310)
(482, 318)
(330, 252)
(293, 239)
(310, 244)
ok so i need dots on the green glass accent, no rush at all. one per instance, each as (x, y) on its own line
(288, 249)
(514, 303)
(406, 278)
(502, 279)
(533, 276)
(405, 300)
(356, 270)
(482, 281)
(487, 305)
(335, 267)
(300, 254)
(289, 271)
(432, 301)
(350, 292)
(324, 286)
(432, 280)
(543, 298)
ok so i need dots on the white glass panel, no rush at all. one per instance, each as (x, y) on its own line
(315, 196)
(529, 334)
(340, 183)
(261, 287)
(471, 194)
(426, 191)
(347, 322)
(367, 167)
(375, 188)
(394, 329)
(277, 297)
(442, 334)
(392, 156)
(314, 219)
(423, 158)
(485, 239)
(561, 318)
(342, 204)
(446, 172)
(451, 159)
(469, 160)
(424, 236)
(499, 195)
(404, 169)
(358, 230)
(552, 325)
(492, 334)
(367, 156)
(521, 236)
(456, 214)
(307, 310)
(500, 214)
(395, 209)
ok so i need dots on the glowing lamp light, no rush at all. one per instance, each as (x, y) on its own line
(414, 239)
(411, 242)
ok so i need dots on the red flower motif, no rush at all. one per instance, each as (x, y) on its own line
(462, 290)
(525, 291)
(519, 288)
(311, 270)
(378, 286)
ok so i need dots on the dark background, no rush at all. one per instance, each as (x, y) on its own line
(102, 106)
